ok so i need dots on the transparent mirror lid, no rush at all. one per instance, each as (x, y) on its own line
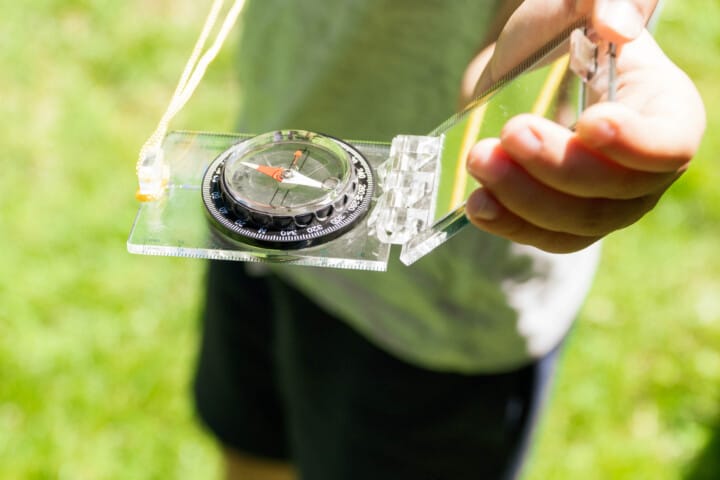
(544, 84)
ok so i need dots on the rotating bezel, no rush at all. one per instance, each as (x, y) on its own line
(293, 229)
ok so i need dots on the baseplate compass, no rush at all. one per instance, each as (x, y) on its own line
(305, 198)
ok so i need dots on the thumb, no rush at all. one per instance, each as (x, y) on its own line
(620, 21)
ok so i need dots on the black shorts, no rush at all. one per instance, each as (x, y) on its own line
(279, 377)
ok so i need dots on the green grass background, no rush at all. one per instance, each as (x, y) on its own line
(97, 346)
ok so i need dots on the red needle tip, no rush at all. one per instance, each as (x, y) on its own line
(275, 172)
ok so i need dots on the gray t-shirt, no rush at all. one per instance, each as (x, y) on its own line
(371, 69)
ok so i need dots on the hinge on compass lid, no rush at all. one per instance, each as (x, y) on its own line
(591, 65)
(409, 180)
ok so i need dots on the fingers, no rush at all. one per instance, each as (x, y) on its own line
(506, 224)
(520, 196)
(555, 157)
(649, 143)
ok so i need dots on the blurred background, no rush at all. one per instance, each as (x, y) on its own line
(97, 345)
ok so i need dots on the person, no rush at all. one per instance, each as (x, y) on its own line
(437, 370)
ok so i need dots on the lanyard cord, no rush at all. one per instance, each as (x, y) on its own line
(151, 169)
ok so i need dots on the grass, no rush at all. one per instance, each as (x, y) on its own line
(97, 346)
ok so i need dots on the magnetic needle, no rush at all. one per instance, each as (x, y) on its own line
(288, 189)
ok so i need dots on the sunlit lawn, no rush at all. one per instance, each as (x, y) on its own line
(97, 346)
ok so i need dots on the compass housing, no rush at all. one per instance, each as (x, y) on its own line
(287, 189)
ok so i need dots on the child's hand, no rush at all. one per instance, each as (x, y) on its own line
(559, 190)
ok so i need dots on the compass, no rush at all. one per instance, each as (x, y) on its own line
(287, 189)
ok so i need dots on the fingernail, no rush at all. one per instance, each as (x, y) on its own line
(621, 16)
(527, 141)
(482, 206)
(487, 162)
(598, 134)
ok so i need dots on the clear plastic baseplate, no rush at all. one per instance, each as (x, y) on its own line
(176, 223)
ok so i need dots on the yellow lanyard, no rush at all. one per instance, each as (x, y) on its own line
(152, 171)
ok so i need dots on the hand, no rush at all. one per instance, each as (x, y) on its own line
(535, 22)
(560, 190)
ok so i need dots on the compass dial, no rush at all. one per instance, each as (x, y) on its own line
(288, 189)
